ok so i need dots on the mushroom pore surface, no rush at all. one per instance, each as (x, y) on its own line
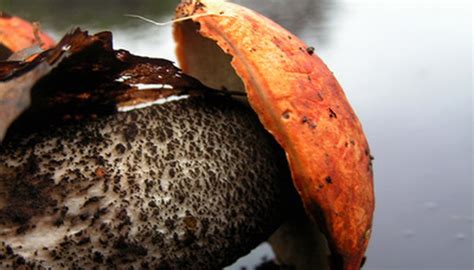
(190, 184)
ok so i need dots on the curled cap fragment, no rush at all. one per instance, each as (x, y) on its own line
(300, 103)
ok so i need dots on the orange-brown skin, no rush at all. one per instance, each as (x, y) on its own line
(300, 102)
(17, 34)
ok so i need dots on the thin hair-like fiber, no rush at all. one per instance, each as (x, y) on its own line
(175, 20)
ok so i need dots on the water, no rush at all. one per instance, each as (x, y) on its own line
(406, 67)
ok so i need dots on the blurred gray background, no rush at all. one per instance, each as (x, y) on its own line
(406, 67)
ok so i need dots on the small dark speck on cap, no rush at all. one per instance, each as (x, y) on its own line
(328, 180)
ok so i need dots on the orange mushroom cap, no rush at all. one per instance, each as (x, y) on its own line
(300, 102)
(17, 34)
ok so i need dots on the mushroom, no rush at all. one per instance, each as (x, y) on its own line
(297, 100)
(190, 184)
(25, 38)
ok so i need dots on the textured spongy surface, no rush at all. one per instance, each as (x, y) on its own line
(191, 184)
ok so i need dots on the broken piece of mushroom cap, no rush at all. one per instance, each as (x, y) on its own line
(299, 102)
(18, 34)
(190, 184)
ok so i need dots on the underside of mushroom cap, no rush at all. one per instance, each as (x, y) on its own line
(299, 102)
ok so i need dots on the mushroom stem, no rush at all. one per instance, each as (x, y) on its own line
(299, 243)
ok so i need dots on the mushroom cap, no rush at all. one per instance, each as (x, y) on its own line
(24, 34)
(190, 184)
(299, 101)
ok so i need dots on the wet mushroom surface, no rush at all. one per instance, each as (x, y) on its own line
(300, 103)
(190, 183)
(124, 162)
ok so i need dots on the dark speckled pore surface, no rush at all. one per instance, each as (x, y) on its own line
(191, 184)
